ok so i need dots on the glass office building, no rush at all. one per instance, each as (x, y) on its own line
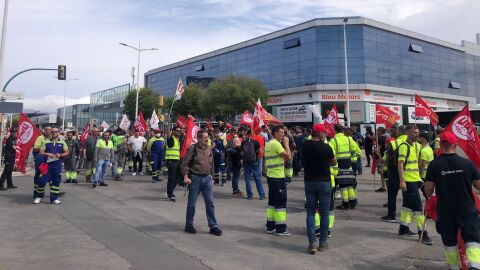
(107, 105)
(76, 116)
(305, 64)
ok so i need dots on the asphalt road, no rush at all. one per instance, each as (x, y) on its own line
(130, 225)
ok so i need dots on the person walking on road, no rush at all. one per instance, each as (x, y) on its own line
(39, 159)
(318, 157)
(172, 158)
(103, 156)
(275, 156)
(9, 158)
(410, 182)
(156, 150)
(250, 151)
(452, 178)
(53, 150)
(69, 161)
(197, 169)
(88, 154)
(121, 152)
(136, 145)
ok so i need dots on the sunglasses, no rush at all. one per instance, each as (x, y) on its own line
(55, 131)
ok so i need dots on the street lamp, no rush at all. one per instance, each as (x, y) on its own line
(139, 50)
(347, 111)
(64, 99)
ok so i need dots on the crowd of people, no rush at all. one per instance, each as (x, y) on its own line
(405, 159)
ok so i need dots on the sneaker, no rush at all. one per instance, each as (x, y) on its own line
(154, 181)
(317, 232)
(285, 233)
(133, 174)
(37, 200)
(172, 199)
(368, 165)
(343, 207)
(249, 198)
(190, 229)
(223, 184)
(270, 231)
(381, 190)
(11, 187)
(94, 186)
(425, 238)
(311, 248)
(262, 198)
(216, 231)
(141, 173)
(56, 202)
(102, 184)
(322, 246)
(405, 231)
(329, 234)
(3, 188)
(388, 218)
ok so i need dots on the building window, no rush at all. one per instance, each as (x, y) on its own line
(291, 43)
(454, 85)
(415, 48)
(200, 68)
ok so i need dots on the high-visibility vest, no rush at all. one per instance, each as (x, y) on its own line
(274, 163)
(428, 153)
(102, 144)
(342, 149)
(333, 169)
(173, 153)
(356, 151)
(410, 157)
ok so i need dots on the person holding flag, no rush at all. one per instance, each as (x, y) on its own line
(451, 177)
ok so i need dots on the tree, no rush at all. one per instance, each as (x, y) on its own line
(232, 95)
(147, 101)
(189, 103)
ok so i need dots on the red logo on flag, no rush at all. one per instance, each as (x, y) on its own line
(26, 136)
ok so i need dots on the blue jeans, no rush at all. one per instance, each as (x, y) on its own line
(250, 169)
(201, 184)
(317, 195)
(101, 171)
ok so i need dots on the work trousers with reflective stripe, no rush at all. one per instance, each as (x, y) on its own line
(469, 227)
(220, 169)
(120, 159)
(156, 161)
(277, 205)
(412, 206)
(53, 177)
(38, 159)
(349, 195)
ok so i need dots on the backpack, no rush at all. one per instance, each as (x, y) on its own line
(393, 161)
(248, 150)
(231, 150)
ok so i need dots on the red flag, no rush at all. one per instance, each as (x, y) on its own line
(374, 162)
(264, 116)
(26, 136)
(422, 109)
(385, 116)
(467, 137)
(246, 119)
(140, 125)
(85, 133)
(181, 121)
(208, 122)
(331, 120)
(190, 135)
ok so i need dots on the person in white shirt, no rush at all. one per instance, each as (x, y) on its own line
(136, 145)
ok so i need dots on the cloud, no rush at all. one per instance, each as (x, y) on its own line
(50, 103)
(84, 34)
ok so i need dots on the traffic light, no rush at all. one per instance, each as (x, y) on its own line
(62, 72)
(160, 101)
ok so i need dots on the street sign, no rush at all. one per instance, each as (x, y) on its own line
(11, 95)
(11, 107)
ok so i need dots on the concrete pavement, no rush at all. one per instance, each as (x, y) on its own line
(130, 225)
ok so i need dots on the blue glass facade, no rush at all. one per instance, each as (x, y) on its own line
(375, 56)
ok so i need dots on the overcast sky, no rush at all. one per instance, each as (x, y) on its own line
(84, 34)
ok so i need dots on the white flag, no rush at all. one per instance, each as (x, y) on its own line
(180, 90)
(125, 123)
(316, 111)
(154, 120)
(105, 126)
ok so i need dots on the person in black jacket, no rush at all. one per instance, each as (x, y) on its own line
(10, 149)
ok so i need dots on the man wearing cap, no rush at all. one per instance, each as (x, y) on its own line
(318, 157)
(10, 150)
(452, 177)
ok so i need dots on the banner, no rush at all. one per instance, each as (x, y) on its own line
(262, 117)
(331, 121)
(154, 120)
(140, 125)
(104, 126)
(180, 90)
(294, 113)
(85, 133)
(125, 123)
(181, 121)
(246, 119)
(422, 109)
(316, 111)
(26, 136)
(385, 116)
(190, 135)
(467, 137)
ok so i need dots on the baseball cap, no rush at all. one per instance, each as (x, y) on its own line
(448, 137)
(317, 128)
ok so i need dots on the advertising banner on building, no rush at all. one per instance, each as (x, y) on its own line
(419, 120)
(294, 113)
